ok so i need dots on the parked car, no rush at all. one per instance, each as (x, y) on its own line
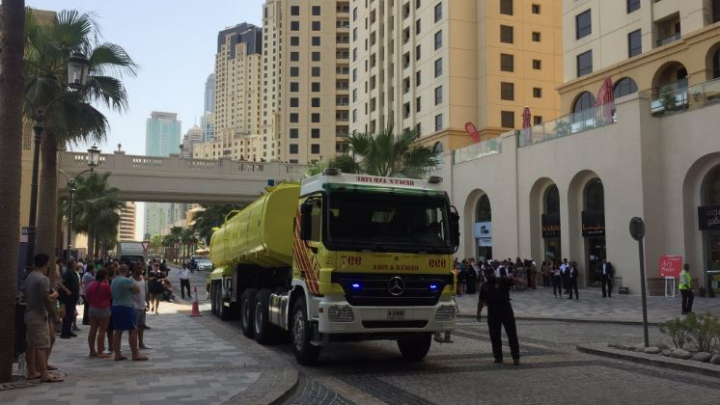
(204, 264)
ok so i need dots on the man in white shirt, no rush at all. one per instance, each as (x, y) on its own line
(184, 276)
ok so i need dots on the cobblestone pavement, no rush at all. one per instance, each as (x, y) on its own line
(552, 372)
(541, 304)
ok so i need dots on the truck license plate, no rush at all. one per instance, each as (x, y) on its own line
(395, 315)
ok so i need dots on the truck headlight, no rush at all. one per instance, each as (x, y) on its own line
(340, 313)
(445, 313)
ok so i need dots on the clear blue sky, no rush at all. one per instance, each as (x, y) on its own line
(174, 43)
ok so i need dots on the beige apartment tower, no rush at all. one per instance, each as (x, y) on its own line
(238, 90)
(662, 47)
(435, 65)
(306, 89)
(126, 228)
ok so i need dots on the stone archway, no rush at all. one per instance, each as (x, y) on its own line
(544, 222)
(471, 217)
(586, 206)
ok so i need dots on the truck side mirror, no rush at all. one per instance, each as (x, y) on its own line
(454, 227)
(306, 220)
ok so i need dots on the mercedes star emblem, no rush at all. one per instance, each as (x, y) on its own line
(396, 286)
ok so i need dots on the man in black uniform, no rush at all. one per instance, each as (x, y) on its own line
(495, 293)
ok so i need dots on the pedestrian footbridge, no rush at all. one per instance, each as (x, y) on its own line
(175, 179)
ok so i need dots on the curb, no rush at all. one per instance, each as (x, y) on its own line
(572, 320)
(652, 360)
(278, 377)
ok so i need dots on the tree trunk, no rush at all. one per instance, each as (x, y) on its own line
(47, 198)
(11, 128)
(90, 242)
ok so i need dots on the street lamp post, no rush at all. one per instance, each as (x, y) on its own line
(92, 162)
(78, 66)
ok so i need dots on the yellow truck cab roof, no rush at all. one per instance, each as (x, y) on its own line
(318, 182)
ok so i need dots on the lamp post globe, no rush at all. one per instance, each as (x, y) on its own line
(93, 156)
(78, 67)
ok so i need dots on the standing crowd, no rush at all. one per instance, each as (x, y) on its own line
(115, 298)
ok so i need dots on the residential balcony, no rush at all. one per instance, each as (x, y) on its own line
(678, 97)
(572, 124)
(669, 39)
(484, 148)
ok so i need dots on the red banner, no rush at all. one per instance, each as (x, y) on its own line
(670, 266)
(472, 131)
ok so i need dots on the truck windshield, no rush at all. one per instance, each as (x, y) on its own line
(407, 222)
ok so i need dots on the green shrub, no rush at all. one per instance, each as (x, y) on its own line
(702, 331)
(677, 330)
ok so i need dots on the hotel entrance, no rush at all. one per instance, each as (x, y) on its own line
(593, 230)
(551, 224)
(709, 221)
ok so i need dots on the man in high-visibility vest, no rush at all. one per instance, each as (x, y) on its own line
(685, 287)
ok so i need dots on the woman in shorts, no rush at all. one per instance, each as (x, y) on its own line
(98, 297)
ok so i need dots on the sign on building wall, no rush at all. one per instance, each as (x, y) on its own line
(550, 226)
(709, 217)
(593, 223)
(483, 233)
(670, 266)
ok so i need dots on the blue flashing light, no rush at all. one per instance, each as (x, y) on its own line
(433, 287)
(356, 286)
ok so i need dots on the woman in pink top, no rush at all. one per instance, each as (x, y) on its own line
(99, 297)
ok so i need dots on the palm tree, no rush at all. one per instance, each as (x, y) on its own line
(175, 234)
(187, 237)
(212, 216)
(167, 242)
(386, 154)
(11, 87)
(96, 211)
(71, 118)
(156, 243)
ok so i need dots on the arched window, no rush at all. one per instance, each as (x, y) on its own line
(438, 148)
(552, 200)
(482, 210)
(625, 86)
(711, 187)
(584, 102)
(595, 196)
(716, 64)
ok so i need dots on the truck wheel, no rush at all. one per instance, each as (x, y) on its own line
(213, 304)
(223, 312)
(247, 311)
(261, 319)
(415, 348)
(300, 333)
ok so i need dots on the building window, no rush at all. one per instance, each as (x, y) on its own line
(507, 119)
(295, 10)
(438, 95)
(315, 117)
(537, 119)
(438, 122)
(294, 25)
(507, 62)
(294, 133)
(293, 149)
(438, 12)
(315, 133)
(417, 27)
(438, 40)
(537, 64)
(315, 149)
(418, 77)
(316, 41)
(417, 4)
(536, 37)
(417, 52)
(316, 57)
(315, 102)
(633, 5)
(418, 104)
(537, 92)
(294, 117)
(634, 43)
(315, 87)
(506, 34)
(624, 87)
(506, 7)
(315, 71)
(316, 10)
(507, 91)
(294, 41)
(316, 25)
(584, 63)
(583, 24)
(295, 56)
(294, 87)
(536, 9)
(294, 71)
(294, 102)
(438, 67)
(584, 102)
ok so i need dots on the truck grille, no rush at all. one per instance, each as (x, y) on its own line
(392, 289)
(394, 324)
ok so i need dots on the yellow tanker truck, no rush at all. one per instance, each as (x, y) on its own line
(341, 257)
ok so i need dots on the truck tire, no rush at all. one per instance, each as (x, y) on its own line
(247, 311)
(213, 304)
(262, 328)
(415, 348)
(300, 333)
(225, 313)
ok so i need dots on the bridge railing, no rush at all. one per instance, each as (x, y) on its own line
(119, 161)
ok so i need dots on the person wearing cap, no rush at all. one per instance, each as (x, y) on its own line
(495, 294)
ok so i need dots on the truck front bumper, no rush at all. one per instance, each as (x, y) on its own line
(339, 317)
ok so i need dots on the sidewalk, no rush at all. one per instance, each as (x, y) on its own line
(540, 304)
(193, 361)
